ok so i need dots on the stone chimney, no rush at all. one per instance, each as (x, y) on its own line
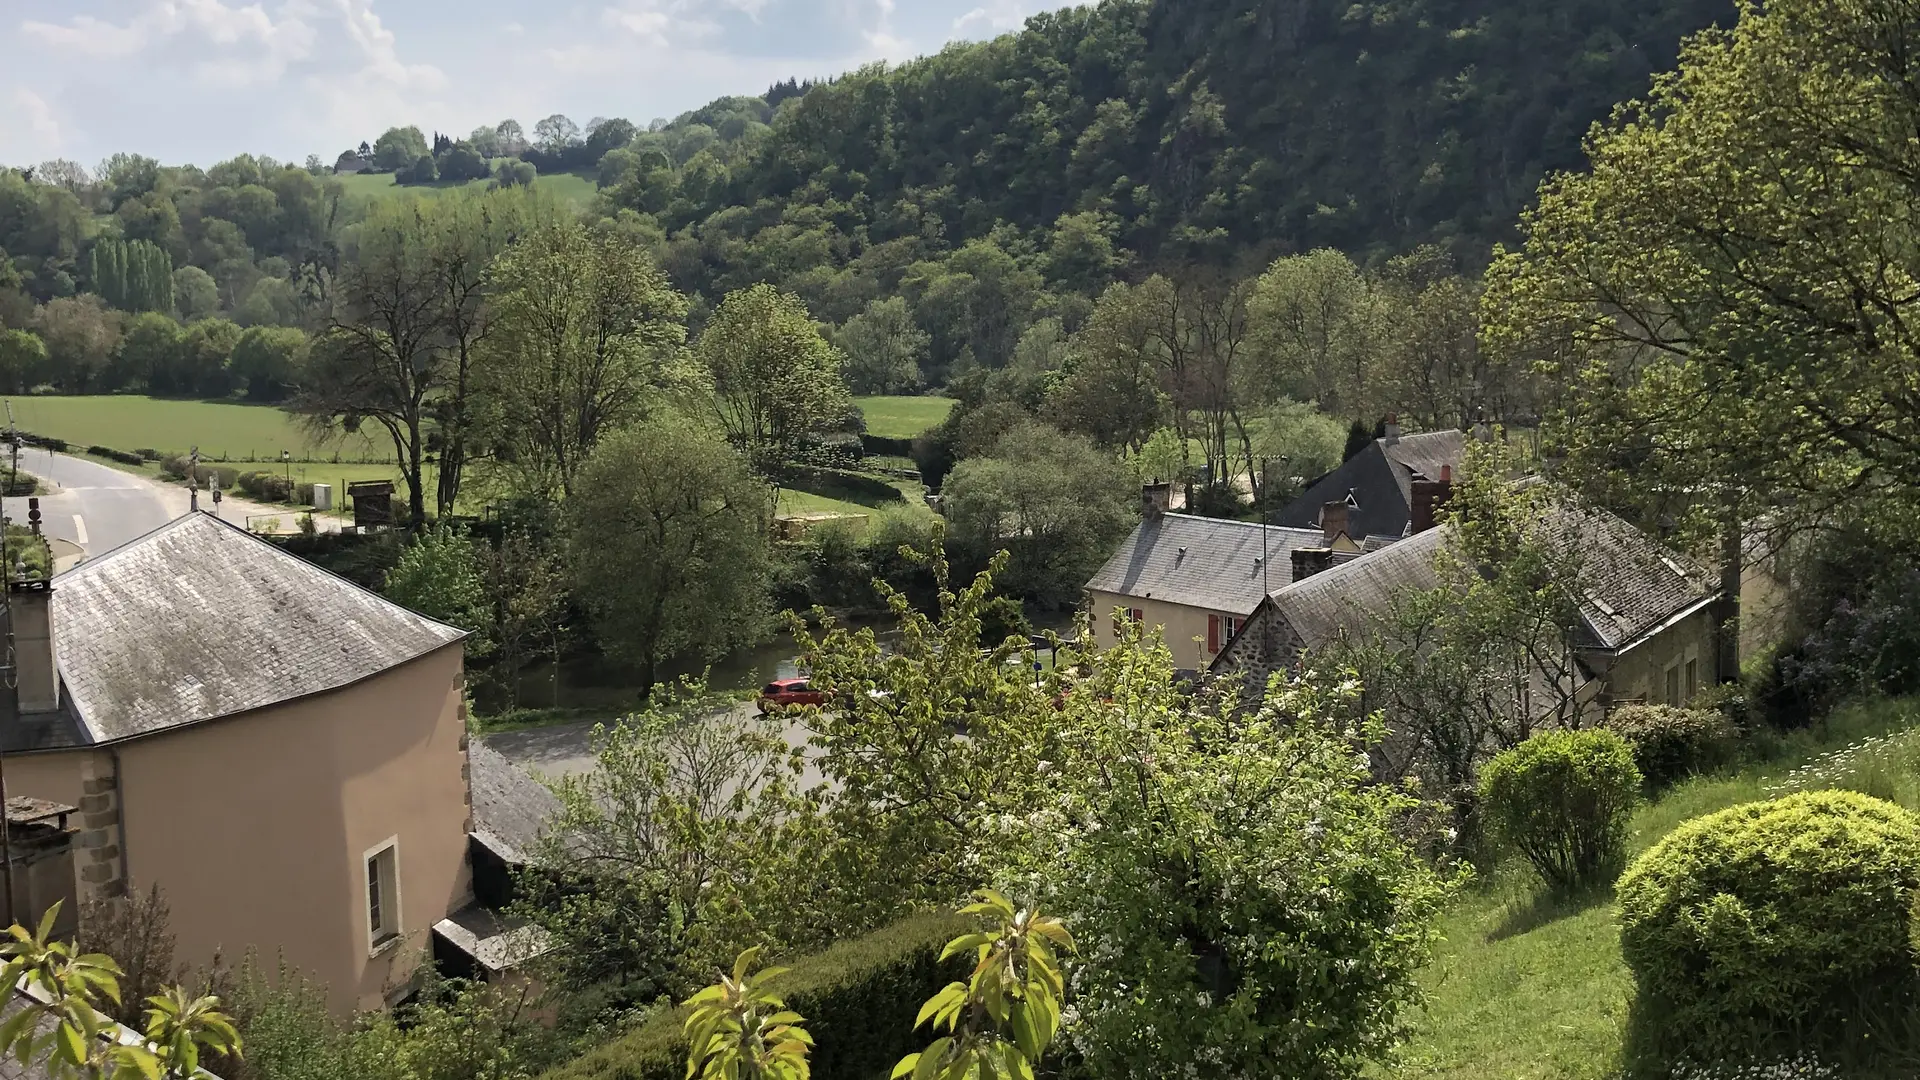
(1310, 561)
(1333, 520)
(1429, 498)
(37, 675)
(1393, 429)
(1155, 500)
(40, 851)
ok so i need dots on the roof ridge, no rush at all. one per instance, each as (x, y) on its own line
(1236, 521)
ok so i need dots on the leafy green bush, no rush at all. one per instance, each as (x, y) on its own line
(1563, 798)
(124, 457)
(859, 998)
(1671, 744)
(204, 474)
(1781, 920)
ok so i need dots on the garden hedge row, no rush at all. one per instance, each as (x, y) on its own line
(840, 484)
(886, 446)
(125, 457)
(859, 998)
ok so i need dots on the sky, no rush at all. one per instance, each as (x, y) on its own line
(199, 81)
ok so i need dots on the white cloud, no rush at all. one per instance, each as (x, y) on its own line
(998, 17)
(29, 131)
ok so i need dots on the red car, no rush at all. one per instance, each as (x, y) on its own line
(790, 692)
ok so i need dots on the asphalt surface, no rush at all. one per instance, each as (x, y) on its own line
(97, 508)
(567, 749)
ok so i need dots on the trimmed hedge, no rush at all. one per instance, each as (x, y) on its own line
(886, 446)
(859, 998)
(1565, 799)
(1671, 744)
(840, 484)
(124, 457)
(1785, 919)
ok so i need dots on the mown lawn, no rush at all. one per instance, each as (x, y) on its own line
(220, 429)
(576, 189)
(903, 417)
(1532, 990)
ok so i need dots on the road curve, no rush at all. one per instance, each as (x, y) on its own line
(97, 507)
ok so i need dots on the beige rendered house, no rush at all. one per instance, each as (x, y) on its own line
(281, 751)
(1195, 579)
(1646, 630)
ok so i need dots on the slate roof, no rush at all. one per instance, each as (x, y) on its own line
(511, 806)
(200, 619)
(1346, 596)
(1631, 583)
(1380, 478)
(1203, 562)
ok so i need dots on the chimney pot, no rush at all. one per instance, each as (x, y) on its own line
(36, 671)
(1333, 519)
(1155, 500)
(1310, 561)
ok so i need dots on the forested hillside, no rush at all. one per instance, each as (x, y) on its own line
(1211, 128)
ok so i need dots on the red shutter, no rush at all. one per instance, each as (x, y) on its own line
(1213, 633)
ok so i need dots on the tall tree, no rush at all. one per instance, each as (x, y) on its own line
(586, 333)
(408, 319)
(884, 348)
(667, 537)
(1727, 293)
(399, 148)
(775, 378)
(1316, 322)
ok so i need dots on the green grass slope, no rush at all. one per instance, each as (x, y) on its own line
(1524, 989)
(573, 188)
(903, 417)
(219, 429)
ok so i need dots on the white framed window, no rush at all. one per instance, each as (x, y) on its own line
(381, 864)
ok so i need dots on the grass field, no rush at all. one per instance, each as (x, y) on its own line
(1528, 989)
(219, 429)
(573, 188)
(903, 417)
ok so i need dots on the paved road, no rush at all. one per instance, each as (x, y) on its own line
(567, 749)
(100, 508)
(96, 507)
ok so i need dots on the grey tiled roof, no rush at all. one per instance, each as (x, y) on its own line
(1380, 479)
(1203, 562)
(1346, 596)
(511, 806)
(199, 619)
(1630, 583)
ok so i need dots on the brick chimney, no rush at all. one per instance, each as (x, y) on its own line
(1310, 561)
(1155, 500)
(1429, 498)
(37, 675)
(1333, 520)
(1393, 429)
